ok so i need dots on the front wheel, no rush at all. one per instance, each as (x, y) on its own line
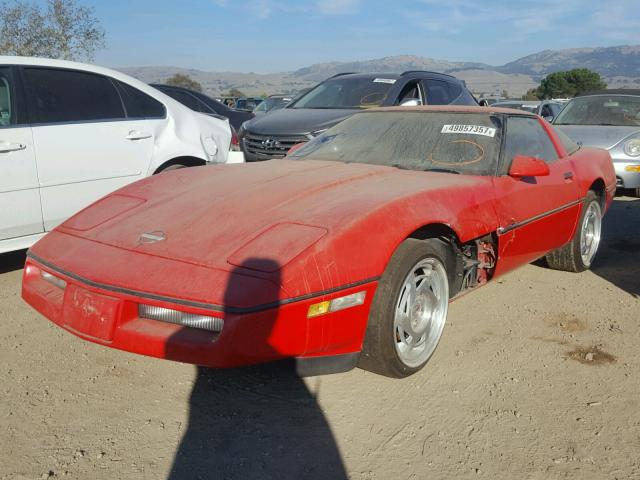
(578, 254)
(409, 309)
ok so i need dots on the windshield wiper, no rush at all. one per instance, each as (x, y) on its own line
(441, 170)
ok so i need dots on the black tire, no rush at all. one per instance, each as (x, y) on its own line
(379, 353)
(569, 257)
(175, 166)
(635, 192)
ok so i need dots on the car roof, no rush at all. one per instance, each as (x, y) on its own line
(613, 91)
(454, 109)
(86, 67)
(394, 76)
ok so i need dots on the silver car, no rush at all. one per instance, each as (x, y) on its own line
(611, 120)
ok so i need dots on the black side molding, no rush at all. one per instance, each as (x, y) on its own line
(312, 366)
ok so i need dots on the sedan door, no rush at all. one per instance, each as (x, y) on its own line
(85, 145)
(536, 214)
(20, 213)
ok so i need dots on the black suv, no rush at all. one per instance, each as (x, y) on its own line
(199, 102)
(339, 97)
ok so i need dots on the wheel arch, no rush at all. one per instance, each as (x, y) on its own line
(599, 188)
(187, 161)
(448, 235)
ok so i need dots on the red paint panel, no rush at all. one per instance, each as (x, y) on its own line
(90, 313)
(276, 247)
(102, 211)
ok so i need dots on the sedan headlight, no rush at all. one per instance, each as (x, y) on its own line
(632, 147)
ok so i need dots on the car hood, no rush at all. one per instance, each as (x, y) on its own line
(297, 121)
(600, 136)
(225, 215)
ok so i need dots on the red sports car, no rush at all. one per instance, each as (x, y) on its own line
(346, 253)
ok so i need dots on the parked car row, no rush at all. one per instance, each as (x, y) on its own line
(227, 266)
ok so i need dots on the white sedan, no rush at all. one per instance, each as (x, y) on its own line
(70, 133)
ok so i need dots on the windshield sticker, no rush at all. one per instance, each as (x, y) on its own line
(384, 80)
(469, 129)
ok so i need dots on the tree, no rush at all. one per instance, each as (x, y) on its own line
(234, 92)
(181, 80)
(532, 94)
(60, 29)
(569, 83)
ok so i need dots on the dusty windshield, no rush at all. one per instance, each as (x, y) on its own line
(467, 143)
(618, 110)
(350, 93)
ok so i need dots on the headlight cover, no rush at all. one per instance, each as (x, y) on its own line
(191, 320)
(632, 147)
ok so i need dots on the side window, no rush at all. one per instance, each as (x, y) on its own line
(525, 136)
(56, 96)
(185, 99)
(411, 91)
(569, 145)
(7, 113)
(438, 92)
(139, 104)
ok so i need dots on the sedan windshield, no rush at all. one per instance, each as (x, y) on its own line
(349, 93)
(467, 143)
(618, 110)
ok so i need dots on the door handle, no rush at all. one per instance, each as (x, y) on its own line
(136, 135)
(6, 147)
(568, 175)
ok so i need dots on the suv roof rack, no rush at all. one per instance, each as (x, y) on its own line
(426, 71)
(341, 74)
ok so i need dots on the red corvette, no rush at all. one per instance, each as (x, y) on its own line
(345, 254)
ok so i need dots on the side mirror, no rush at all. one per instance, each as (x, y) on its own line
(297, 146)
(523, 166)
(411, 102)
(549, 118)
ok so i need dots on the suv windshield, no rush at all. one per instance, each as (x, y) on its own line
(466, 143)
(348, 93)
(618, 110)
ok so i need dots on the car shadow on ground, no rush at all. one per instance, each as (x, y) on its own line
(258, 422)
(12, 261)
(618, 260)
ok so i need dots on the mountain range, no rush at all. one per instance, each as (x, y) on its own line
(619, 66)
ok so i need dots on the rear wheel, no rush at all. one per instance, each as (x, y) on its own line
(409, 309)
(578, 254)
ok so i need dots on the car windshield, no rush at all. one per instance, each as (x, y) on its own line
(348, 93)
(271, 104)
(467, 143)
(618, 110)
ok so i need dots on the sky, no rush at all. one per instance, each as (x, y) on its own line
(282, 35)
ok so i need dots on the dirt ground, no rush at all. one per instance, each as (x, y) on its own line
(537, 377)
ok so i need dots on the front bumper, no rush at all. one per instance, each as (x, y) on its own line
(109, 316)
(624, 177)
